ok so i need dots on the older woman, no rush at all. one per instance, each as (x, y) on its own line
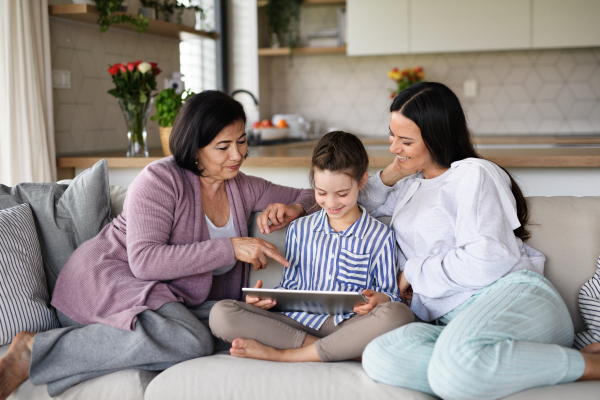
(497, 326)
(138, 295)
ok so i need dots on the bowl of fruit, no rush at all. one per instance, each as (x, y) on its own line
(268, 131)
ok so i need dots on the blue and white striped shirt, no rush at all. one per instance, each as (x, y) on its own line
(361, 257)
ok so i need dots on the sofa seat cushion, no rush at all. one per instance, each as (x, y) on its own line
(129, 384)
(223, 377)
(565, 391)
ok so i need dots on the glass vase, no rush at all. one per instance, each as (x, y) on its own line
(136, 115)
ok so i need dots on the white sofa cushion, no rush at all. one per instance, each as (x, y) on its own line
(567, 231)
(122, 385)
(223, 377)
(23, 293)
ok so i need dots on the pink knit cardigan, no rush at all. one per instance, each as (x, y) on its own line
(159, 249)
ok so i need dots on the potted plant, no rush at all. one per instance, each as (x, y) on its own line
(168, 104)
(167, 8)
(106, 17)
(283, 19)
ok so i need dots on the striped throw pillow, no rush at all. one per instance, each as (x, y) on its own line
(589, 307)
(23, 293)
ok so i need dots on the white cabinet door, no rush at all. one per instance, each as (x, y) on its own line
(469, 25)
(376, 27)
(561, 23)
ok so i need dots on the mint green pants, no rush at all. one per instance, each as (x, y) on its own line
(513, 335)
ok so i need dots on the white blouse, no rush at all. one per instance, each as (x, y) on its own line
(216, 233)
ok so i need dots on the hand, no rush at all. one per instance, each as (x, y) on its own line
(255, 251)
(280, 216)
(255, 301)
(394, 172)
(406, 292)
(374, 298)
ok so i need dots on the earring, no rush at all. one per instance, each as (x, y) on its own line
(196, 162)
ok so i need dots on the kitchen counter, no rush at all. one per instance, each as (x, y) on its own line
(506, 151)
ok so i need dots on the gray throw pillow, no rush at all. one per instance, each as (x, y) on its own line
(23, 295)
(65, 215)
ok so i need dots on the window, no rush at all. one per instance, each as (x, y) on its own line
(199, 63)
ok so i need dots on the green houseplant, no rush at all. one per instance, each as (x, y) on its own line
(168, 104)
(106, 10)
(167, 8)
(283, 19)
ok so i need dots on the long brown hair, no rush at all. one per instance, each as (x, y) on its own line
(436, 110)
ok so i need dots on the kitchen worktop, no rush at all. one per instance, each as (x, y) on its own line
(506, 151)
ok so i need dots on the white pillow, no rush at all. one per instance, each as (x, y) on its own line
(23, 293)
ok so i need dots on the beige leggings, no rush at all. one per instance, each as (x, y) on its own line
(231, 319)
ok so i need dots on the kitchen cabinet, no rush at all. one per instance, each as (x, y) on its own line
(559, 23)
(377, 28)
(469, 25)
(439, 26)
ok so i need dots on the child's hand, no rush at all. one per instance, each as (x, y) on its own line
(255, 301)
(280, 216)
(375, 299)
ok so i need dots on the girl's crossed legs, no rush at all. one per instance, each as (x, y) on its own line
(262, 334)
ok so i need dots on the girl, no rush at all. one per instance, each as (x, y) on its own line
(338, 248)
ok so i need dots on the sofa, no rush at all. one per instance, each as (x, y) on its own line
(565, 229)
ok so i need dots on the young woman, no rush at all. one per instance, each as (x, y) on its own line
(498, 326)
(338, 248)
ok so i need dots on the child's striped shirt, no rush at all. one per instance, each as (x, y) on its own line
(361, 257)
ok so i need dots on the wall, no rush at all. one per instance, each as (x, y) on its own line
(520, 92)
(87, 119)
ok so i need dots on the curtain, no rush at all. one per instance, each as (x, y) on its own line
(27, 150)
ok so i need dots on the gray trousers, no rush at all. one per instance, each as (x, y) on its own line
(231, 319)
(162, 338)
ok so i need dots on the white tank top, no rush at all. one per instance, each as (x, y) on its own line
(216, 233)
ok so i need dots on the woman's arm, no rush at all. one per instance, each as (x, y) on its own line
(265, 193)
(486, 248)
(378, 198)
(153, 203)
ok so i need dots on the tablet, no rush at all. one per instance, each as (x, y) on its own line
(312, 301)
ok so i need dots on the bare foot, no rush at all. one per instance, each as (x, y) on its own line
(14, 366)
(250, 348)
(593, 348)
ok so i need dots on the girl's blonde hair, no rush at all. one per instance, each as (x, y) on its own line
(341, 152)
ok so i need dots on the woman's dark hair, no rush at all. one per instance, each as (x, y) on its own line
(436, 110)
(341, 152)
(199, 121)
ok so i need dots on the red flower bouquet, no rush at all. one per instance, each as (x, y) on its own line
(134, 83)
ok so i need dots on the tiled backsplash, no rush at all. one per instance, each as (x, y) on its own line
(519, 92)
(86, 118)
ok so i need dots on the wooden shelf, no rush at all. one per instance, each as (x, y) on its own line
(262, 3)
(284, 51)
(88, 14)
